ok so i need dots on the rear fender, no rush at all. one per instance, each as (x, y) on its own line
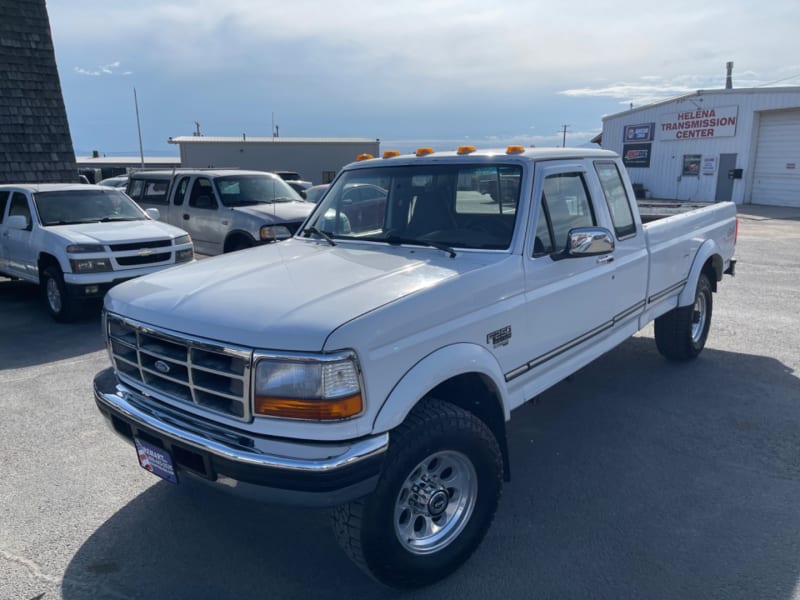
(709, 249)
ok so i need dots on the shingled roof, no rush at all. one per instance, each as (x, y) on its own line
(35, 142)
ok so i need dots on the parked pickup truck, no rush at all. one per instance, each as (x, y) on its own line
(76, 241)
(373, 368)
(223, 209)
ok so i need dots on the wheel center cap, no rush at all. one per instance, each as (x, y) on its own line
(438, 503)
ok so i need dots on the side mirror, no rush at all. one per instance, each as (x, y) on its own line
(588, 241)
(153, 213)
(18, 222)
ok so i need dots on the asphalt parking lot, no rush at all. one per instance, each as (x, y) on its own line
(635, 478)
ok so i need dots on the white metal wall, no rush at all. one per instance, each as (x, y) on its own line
(664, 177)
(776, 178)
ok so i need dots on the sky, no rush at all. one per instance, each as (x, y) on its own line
(411, 73)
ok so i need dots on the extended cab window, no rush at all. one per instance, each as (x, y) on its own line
(617, 199)
(180, 190)
(565, 205)
(3, 202)
(155, 192)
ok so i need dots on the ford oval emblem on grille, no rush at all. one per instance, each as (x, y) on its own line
(161, 366)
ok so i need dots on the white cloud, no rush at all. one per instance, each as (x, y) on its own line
(109, 69)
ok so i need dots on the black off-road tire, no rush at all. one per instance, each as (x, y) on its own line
(388, 533)
(681, 333)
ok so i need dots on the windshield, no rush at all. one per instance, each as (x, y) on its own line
(246, 190)
(66, 207)
(458, 205)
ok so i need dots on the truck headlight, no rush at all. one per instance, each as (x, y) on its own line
(312, 389)
(274, 232)
(182, 239)
(90, 265)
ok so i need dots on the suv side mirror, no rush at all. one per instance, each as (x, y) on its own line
(153, 213)
(18, 222)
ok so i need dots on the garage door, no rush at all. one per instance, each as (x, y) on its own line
(777, 171)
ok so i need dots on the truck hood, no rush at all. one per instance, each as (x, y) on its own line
(278, 211)
(114, 232)
(285, 296)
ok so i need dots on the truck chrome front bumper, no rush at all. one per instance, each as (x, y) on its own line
(259, 467)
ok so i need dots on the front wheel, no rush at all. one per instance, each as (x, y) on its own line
(60, 306)
(681, 333)
(434, 502)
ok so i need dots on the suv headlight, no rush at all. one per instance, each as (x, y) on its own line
(308, 388)
(90, 265)
(182, 239)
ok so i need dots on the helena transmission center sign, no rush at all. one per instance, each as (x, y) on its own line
(700, 123)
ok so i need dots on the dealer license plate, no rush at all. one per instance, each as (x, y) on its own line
(156, 460)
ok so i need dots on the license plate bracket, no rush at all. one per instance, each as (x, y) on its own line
(155, 460)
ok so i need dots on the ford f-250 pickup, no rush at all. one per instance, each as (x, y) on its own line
(370, 363)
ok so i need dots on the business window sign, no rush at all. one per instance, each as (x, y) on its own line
(636, 155)
(639, 133)
(700, 123)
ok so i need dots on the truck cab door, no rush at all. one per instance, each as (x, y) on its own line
(566, 297)
(200, 216)
(18, 247)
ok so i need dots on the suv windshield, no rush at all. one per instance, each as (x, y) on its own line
(456, 205)
(68, 207)
(245, 190)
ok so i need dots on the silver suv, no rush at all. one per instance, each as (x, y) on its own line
(223, 209)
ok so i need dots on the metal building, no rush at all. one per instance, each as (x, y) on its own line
(712, 145)
(317, 160)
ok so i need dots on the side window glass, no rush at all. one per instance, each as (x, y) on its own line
(202, 195)
(180, 190)
(155, 192)
(135, 189)
(566, 202)
(3, 203)
(617, 199)
(19, 206)
(543, 244)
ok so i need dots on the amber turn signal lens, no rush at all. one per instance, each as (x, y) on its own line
(316, 410)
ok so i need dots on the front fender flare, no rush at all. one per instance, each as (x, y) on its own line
(437, 367)
(709, 249)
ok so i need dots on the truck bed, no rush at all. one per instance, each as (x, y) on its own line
(653, 210)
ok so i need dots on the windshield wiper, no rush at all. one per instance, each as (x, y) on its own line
(110, 219)
(317, 232)
(396, 241)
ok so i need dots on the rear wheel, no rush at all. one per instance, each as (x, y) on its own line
(435, 500)
(60, 306)
(681, 333)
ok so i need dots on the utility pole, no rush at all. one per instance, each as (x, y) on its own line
(138, 127)
(564, 138)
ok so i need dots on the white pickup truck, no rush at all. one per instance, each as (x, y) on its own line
(370, 363)
(76, 241)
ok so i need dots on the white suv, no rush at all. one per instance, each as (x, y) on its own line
(77, 241)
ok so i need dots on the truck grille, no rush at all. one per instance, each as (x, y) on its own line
(127, 261)
(141, 253)
(190, 371)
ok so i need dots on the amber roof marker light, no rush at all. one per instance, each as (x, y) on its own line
(424, 151)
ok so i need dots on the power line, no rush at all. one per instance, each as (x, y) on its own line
(779, 80)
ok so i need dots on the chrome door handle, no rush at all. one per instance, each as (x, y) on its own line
(604, 260)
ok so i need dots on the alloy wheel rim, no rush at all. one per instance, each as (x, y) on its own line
(699, 316)
(435, 502)
(53, 295)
